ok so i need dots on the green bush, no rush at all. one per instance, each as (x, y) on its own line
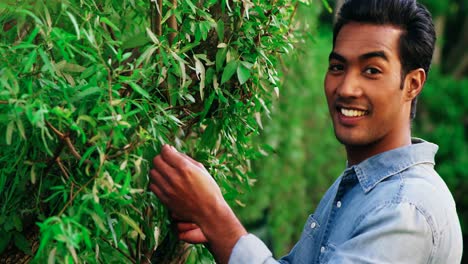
(90, 90)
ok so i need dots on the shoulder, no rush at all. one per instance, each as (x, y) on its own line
(418, 200)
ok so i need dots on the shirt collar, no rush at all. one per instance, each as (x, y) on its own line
(377, 168)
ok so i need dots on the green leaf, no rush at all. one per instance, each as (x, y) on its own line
(87, 92)
(229, 71)
(220, 30)
(5, 241)
(220, 58)
(75, 25)
(17, 223)
(70, 67)
(9, 132)
(19, 125)
(31, 60)
(243, 74)
(22, 243)
(99, 222)
(106, 21)
(137, 88)
(132, 224)
(327, 6)
(134, 41)
(152, 36)
(189, 46)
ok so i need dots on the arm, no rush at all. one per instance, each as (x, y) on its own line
(193, 197)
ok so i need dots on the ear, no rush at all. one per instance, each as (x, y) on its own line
(414, 82)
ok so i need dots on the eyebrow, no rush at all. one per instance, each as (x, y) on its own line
(373, 54)
(335, 56)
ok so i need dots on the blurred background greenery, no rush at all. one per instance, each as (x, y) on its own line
(304, 157)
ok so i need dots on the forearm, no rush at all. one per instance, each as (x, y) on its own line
(223, 230)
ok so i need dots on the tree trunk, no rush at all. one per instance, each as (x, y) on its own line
(439, 24)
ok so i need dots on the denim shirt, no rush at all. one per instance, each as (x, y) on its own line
(390, 208)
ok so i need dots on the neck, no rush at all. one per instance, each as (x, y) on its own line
(359, 153)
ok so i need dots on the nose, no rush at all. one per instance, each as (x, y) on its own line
(349, 86)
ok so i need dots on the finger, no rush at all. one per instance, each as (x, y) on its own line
(157, 178)
(194, 162)
(157, 191)
(174, 158)
(195, 236)
(186, 226)
(161, 166)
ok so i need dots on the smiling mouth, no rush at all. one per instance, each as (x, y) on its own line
(349, 112)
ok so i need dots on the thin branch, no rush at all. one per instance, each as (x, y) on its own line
(156, 16)
(74, 152)
(51, 162)
(71, 189)
(55, 130)
(109, 143)
(291, 18)
(72, 198)
(173, 22)
(62, 168)
(3, 102)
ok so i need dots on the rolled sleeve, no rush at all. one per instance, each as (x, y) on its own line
(250, 249)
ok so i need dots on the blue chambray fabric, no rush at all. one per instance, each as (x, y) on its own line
(390, 208)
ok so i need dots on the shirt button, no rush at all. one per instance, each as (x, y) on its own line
(338, 204)
(322, 249)
(313, 225)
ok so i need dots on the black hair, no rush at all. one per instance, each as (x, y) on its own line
(418, 34)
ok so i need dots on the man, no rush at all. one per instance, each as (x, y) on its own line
(389, 205)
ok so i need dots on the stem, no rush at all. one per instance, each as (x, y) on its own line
(173, 23)
(55, 130)
(155, 16)
(72, 148)
(72, 198)
(293, 14)
(62, 168)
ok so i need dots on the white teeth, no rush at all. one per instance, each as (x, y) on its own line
(352, 112)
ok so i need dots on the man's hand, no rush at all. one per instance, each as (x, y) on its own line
(185, 186)
(192, 195)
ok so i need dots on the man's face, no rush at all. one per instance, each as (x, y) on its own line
(362, 86)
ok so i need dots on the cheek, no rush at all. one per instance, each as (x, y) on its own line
(327, 87)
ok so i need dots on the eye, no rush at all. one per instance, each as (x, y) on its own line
(334, 67)
(372, 71)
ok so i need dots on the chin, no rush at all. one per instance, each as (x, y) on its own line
(353, 141)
